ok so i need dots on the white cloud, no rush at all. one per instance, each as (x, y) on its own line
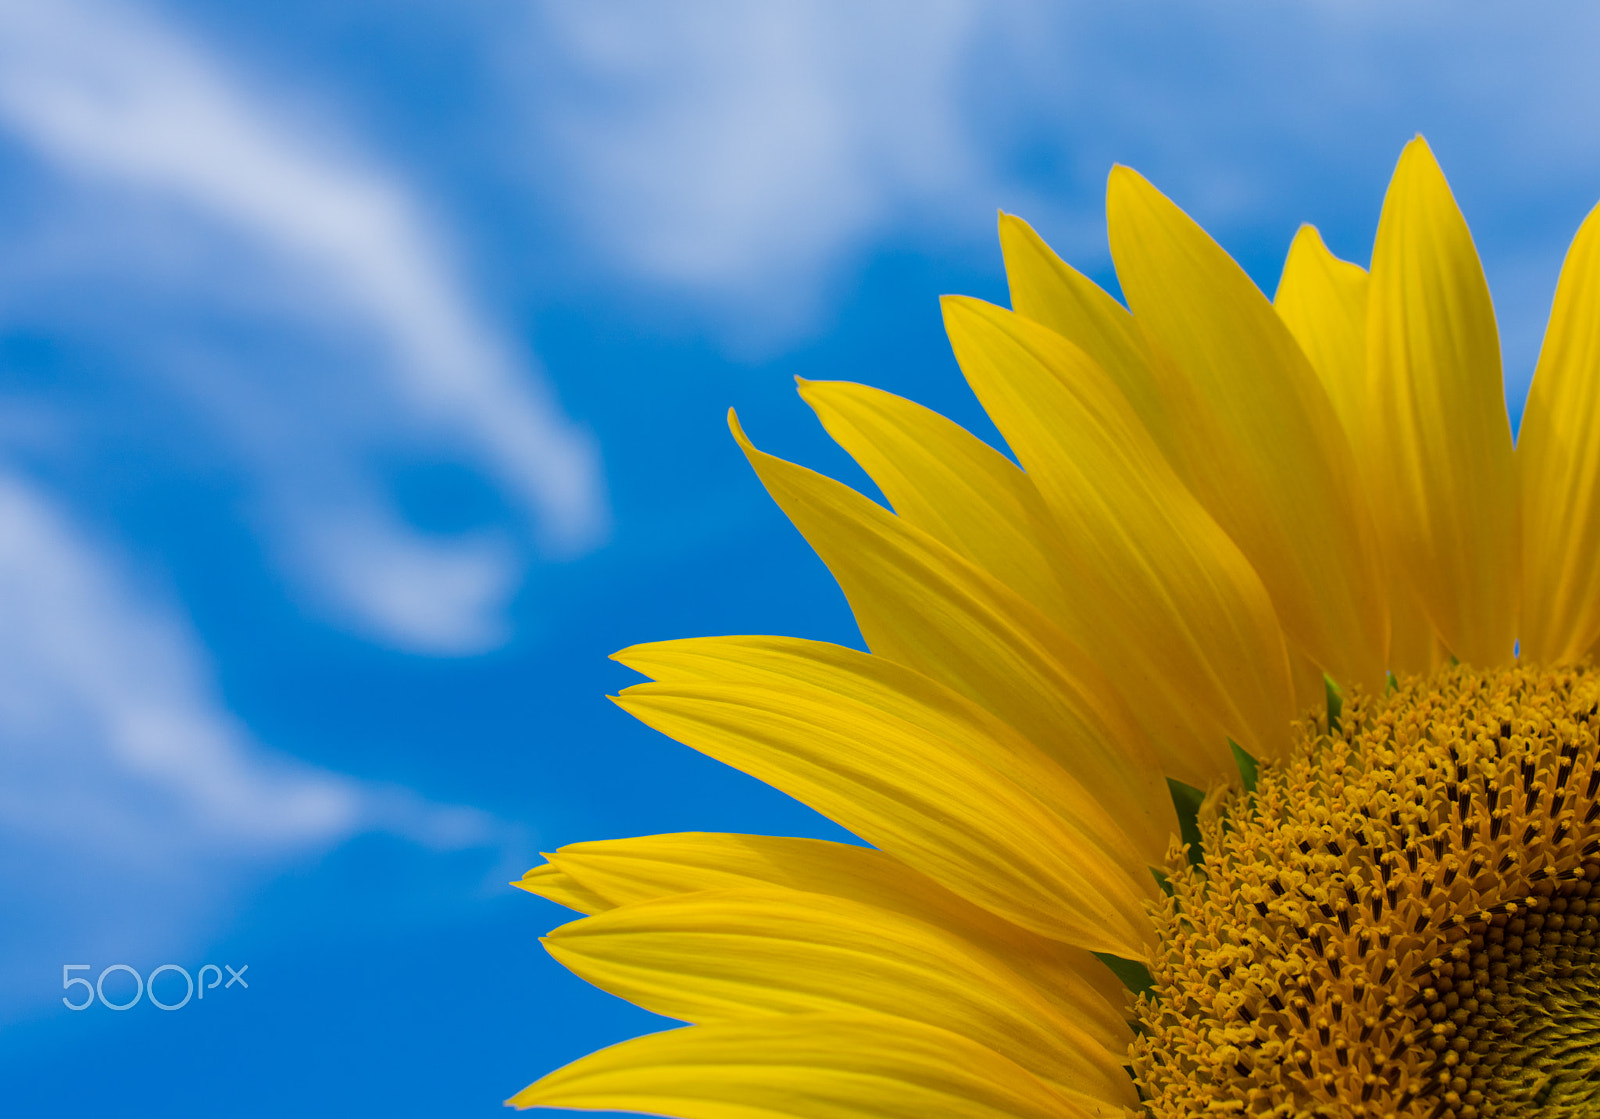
(133, 807)
(747, 147)
(115, 99)
(434, 594)
(745, 154)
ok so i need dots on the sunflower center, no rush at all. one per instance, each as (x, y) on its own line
(1398, 919)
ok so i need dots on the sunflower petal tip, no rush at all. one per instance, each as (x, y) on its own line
(957, 311)
(1133, 199)
(1014, 223)
(962, 304)
(1419, 151)
(625, 656)
(1125, 178)
(1307, 239)
(739, 436)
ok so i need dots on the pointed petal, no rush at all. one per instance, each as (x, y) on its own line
(973, 499)
(1558, 452)
(921, 605)
(1323, 301)
(1441, 438)
(811, 1067)
(950, 484)
(1172, 609)
(731, 955)
(1268, 458)
(933, 783)
(1052, 293)
(554, 884)
(836, 676)
(624, 871)
(1414, 645)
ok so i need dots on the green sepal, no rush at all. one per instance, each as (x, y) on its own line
(1134, 975)
(1162, 880)
(1249, 768)
(1394, 685)
(1187, 799)
(1335, 702)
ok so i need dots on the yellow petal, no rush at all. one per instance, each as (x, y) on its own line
(1310, 684)
(731, 955)
(1170, 607)
(811, 1067)
(1414, 645)
(1264, 453)
(1323, 301)
(923, 606)
(554, 884)
(833, 675)
(625, 871)
(949, 483)
(1447, 496)
(911, 779)
(1051, 292)
(1558, 452)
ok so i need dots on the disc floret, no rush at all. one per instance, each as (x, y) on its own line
(1396, 920)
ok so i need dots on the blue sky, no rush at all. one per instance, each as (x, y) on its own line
(363, 379)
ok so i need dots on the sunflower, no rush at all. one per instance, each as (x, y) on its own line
(1236, 752)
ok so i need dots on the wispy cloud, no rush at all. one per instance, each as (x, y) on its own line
(129, 106)
(748, 147)
(133, 806)
(746, 154)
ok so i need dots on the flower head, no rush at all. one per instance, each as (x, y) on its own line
(1131, 846)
